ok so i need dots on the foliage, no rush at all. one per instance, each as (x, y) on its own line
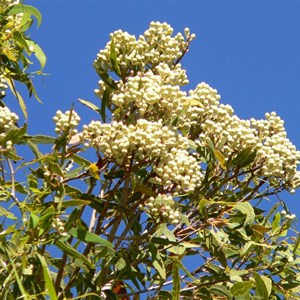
(16, 47)
(171, 205)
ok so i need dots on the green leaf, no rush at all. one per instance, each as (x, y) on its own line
(21, 8)
(240, 288)
(68, 249)
(19, 38)
(34, 220)
(48, 280)
(104, 102)
(42, 139)
(7, 214)
(246, 209)
(90, 105)
(74, 202)
(89, 237)
(261, 286)
(159, 267)
(220, 157)
(114, 59)
(176, 281)
(244, 158)
(107, 79)
(12, 87)
(220, 290)
(40, 55)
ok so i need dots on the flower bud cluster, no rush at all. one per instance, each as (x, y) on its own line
(163, 207)
(147, 142)
(6, 3)
(150, 95)
(7, 120)
(287, 216)
(156, 46)
(180, 168)
(276, 155)
(66, 122)
(3, 86)
(58, 225)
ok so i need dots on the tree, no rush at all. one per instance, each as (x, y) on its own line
(164, 198)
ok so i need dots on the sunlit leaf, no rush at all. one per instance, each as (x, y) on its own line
(89, 237)
(240, 288)
(48, 280)
(261, 286)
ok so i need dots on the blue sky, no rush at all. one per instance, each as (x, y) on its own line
(248, 50)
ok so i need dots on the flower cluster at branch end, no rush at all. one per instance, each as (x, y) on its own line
(66, 122)
(147, 143)
(153, 119)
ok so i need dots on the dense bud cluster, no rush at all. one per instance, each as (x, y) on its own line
(147, 142)
(153, 119)
(7, 120)
(66, 122)
(150, 94)
(58, 225)
(154, 47)
(163, 207)
(3, 86)
(6, 3)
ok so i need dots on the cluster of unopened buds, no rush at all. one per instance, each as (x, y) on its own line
(155, 46)
(148, 142)
(58, 225)
(287, 216)
(8, 120)
(163, 207)
(66, 122)
(3, 86)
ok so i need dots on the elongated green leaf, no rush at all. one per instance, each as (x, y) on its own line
(183, 268)
(114, 59)
(246, 209)
(107, 79)
(89, 237)
(7, 214)
(42, 139)
(90, 105)
(240, 288)
(159, 267)
(104, 102)
(21, 8)
(220, 290)
(75, 202)
(261, 286)
(176, 281)
(68, 249)
(20, 39)
(19, 281)
(12, 87)
(40, 55)
(48, 280)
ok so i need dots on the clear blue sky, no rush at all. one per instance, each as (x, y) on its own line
(248, 50)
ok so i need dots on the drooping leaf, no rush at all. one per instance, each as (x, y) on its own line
(89, 237)
(221, 291)
(90, 105)
(48, 280)
(261, 286)
(246, 209)
(220, 157)
(176, 281)
(68, 249)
